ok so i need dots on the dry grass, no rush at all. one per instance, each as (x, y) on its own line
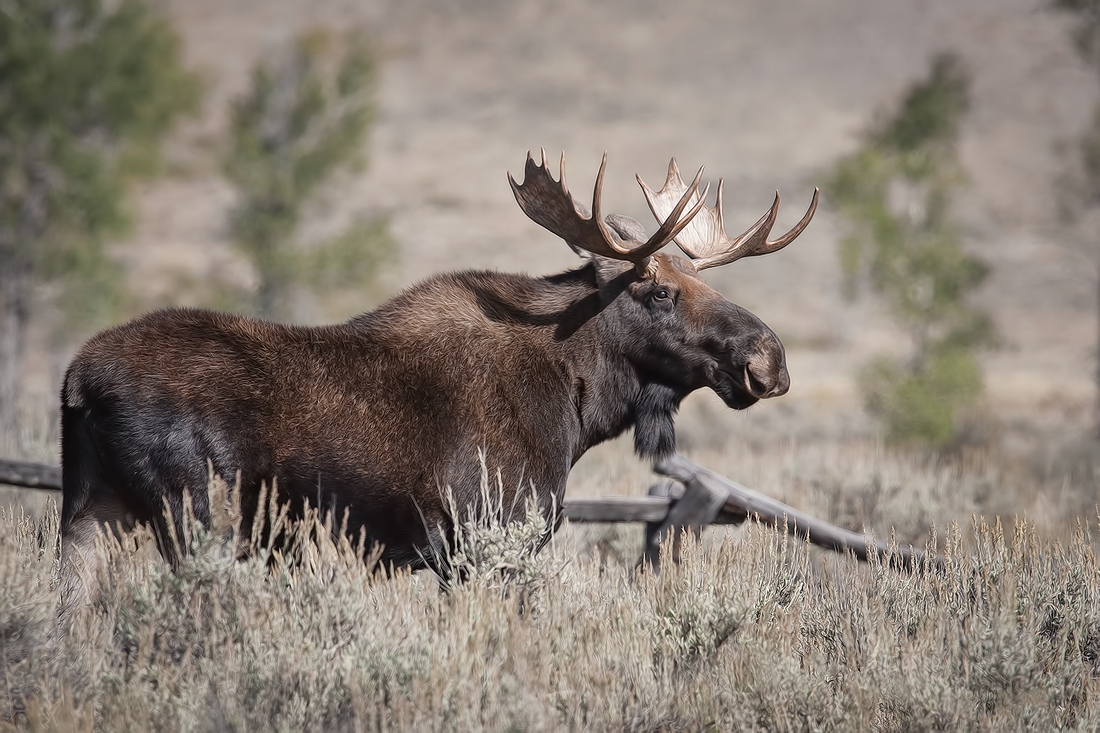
(750, 632)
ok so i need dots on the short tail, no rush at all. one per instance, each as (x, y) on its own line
(81, 465)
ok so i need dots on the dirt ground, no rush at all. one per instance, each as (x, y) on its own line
(767, 95)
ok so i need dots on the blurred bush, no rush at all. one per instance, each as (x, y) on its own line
(87, 91)
(304, 118)
(895, 193)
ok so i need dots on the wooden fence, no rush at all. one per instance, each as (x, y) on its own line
(693, 498)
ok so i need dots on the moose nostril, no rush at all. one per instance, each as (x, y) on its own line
(766, 370)
(755, 386)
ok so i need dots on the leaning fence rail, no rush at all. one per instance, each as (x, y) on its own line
(695, 498)
(27, 475)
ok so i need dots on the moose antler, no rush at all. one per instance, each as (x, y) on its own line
(704, 238)
(548, 203)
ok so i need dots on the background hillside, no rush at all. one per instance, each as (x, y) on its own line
(766, 96)
(753, 632)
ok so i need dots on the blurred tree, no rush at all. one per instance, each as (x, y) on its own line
(1086, 193)
(87, 90)
(895, 193)
(304, 117)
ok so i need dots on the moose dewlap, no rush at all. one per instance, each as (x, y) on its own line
(380, 416)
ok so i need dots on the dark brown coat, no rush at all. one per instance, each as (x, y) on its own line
(381, 415)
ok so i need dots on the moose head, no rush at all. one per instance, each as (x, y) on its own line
(678, 332)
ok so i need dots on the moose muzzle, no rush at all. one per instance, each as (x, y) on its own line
(766, 370)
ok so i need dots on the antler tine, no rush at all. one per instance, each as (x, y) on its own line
(548, 203)
(664, 234)
(673, 224)
(611, 239)
(704, 238)
(755, 242)
(697, 229)
(751, 242)
(797, 228)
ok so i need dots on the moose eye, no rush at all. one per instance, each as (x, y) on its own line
(661, 295)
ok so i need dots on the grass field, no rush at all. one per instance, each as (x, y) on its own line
(751, 631)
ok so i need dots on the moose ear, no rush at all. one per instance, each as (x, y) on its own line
(608, 269)
(628, 228)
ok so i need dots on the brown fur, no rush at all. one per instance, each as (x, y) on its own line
(378, 416)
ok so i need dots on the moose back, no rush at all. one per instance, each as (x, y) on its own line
(380, 416)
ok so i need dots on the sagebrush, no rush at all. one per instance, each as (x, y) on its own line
(751, 631)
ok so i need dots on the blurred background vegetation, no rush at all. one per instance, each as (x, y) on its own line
(112, 133)
(305, 116)
(87, 92)
(1085, 191)
(895, 193)
(940, 318)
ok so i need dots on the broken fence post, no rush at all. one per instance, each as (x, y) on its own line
(696, 507)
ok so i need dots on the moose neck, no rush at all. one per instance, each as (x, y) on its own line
(568, 324)
(610, 392)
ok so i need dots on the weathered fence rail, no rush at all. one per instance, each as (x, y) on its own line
(740, 503)
(695, 498)
(29, 475)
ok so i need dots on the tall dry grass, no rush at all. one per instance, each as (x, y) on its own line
(751, 631)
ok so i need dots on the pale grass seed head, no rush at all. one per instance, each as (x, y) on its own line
(751, 631)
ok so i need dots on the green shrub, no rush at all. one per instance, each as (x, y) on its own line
(895, 194)
(304, 118)
(87, 91)
(921, 404)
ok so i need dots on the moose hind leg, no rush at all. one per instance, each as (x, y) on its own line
(160, 460)
(91, 503)
(80, 563)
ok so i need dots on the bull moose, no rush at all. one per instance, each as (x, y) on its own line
(377, 416)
